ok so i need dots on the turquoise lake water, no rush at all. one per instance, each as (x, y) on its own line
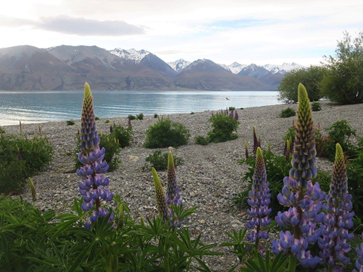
(45, 106)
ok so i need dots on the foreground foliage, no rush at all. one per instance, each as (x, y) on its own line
(21, 158)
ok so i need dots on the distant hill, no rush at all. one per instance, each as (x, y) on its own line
(207, 75)
(68, 67)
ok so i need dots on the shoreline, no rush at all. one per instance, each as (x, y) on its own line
(209, 178)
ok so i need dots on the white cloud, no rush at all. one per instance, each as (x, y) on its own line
(190, 29)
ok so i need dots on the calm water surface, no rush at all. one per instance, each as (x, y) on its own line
(45, 106)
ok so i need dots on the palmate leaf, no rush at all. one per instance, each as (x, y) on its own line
(264, 264)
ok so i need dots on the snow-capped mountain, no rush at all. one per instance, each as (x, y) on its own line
(179, 64)
(236, 67)
(131, 54)
(283, 68)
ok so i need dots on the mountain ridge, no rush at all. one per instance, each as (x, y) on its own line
(67, 67)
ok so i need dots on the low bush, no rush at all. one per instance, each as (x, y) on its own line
(140, 116)
(166, 133)
(21, 158)
(286, 113)
(156, 115)
(107, 121)
(231, 108)
(315, 106)
(341, 132)
(2, 130)
(131, 117)
(97, 118)
(192, 113)
(70, 123)
(122, 135)
(200, 140)
(223, 128)
(159, 161)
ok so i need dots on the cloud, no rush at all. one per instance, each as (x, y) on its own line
(87, 27)
(76, 26)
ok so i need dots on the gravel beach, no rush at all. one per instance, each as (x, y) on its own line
(209, 178)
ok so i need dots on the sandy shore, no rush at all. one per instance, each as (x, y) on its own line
(209, 178)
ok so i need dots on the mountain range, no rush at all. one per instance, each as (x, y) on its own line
(68, 67)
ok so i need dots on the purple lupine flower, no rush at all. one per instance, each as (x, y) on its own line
(299, 194)
(246, 150)
(20, 158)
(92, 157)
(359, 261)
(236, 116)
(335, 239)
(259, 199)
(172, 193)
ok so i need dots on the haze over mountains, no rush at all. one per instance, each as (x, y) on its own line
(68, 67)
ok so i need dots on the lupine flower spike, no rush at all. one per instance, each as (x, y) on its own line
(299, 194)
(359, 261)
(259, 200)
(335, 240)
(32, 189)
(160, 195)
(172, 195)
(287, 153)
(255, 141)
(92, 157)
(246, 150)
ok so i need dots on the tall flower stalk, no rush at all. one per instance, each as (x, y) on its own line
(299, 194)
(359, 261)
(335, 240)
(166, 201)
(92, 188)
(259, 200)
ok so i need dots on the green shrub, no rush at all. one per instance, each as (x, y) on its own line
(107, 121)
(70, 123)
(2, 130)
(231, 108)
(112, 146)
(131, 117)
(192, 113)
(35, 154)
(122, 135)
(140, 116)
(315, 106)
(156, 115)
(223, 128)
(339, 132)
(276, 169)
(166, 133)
(160, 161)
(200, 140)
(286, 113)
(96, 118)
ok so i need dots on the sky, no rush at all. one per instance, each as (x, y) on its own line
(254, 31)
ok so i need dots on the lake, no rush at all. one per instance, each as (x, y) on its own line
(45, 106)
